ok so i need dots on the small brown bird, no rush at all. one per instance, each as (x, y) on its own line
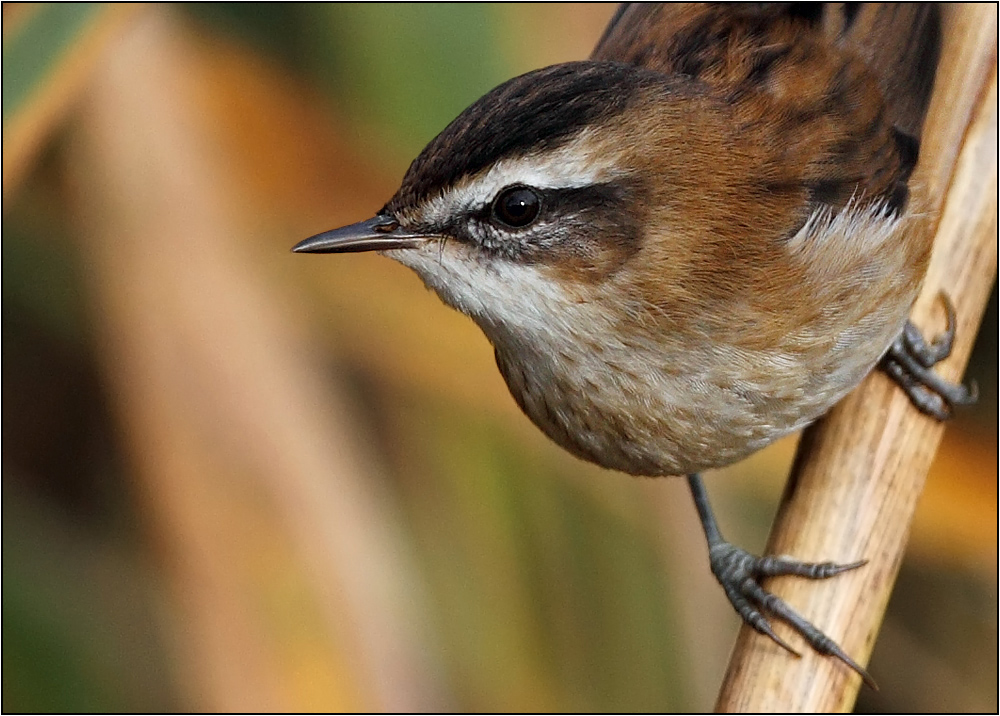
(691, 244)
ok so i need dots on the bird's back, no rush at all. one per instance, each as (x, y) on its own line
(866, 68)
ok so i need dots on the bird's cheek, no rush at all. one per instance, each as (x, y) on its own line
(591, 255)
(448, 268)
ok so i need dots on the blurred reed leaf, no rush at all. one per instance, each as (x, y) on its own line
(48, 56)
(32, 55)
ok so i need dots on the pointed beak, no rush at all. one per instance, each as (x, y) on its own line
(378, 234)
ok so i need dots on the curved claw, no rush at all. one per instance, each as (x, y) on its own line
(838, 653)
(910, 360)
(766, 630)
(816, 638)
(929, 354)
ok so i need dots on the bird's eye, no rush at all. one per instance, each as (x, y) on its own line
(517, 206)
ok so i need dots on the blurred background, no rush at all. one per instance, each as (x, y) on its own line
(240, 479)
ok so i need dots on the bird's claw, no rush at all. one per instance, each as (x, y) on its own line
(910, 361)
(739, 573)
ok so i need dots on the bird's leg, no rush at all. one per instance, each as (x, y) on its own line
(910, 361)
(740, 572)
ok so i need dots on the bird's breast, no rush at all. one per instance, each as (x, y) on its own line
(670, 387)
(651, 412)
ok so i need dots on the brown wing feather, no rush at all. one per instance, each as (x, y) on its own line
(900, 45)
(820, 82)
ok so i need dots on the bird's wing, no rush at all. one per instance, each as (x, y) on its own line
(842, 88)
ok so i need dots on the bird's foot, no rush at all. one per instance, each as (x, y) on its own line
(910, 361)
(739, 573)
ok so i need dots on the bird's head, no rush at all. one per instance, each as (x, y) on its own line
(539, 190)
(647, 196)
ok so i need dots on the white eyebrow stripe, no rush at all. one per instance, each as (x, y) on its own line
(577, 164)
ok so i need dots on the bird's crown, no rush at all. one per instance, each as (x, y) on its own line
(527, 116)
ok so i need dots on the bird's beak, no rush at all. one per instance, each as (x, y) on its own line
(378, 234)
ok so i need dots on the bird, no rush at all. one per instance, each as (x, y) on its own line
(692, 243)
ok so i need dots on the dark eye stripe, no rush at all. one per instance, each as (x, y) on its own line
(554, 202)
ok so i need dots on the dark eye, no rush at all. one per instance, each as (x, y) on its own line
(517, 206)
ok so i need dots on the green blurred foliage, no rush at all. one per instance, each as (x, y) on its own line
(32, 54)
(408, 68)
(399, 72)
(80, 630)
(567, 600)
